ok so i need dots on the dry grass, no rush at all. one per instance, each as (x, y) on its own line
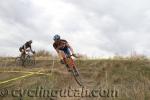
(130, 77)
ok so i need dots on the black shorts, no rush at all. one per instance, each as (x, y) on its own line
(66, 50)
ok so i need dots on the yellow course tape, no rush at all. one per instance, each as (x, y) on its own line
(25, 72)
(17, 78)
(16, 72)
(21, 77)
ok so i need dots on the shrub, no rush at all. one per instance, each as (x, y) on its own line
(43, 53)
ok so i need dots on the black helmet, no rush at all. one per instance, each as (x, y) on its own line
(30, 41)
(56, 37)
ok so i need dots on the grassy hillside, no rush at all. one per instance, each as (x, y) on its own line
(129, 78)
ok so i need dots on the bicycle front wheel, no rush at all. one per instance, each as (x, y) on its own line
(77, 76)
(30, 61)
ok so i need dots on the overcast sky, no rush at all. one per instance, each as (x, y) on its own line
(92, 27)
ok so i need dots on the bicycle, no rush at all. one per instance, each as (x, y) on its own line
(27, 60)
(73, 69)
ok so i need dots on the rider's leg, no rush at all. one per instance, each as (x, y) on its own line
(62, 56)
(67, 51)
(67, 54)
(20, 49)
(64, 59)
(23, 54)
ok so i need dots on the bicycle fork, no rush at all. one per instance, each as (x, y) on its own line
(76, 73)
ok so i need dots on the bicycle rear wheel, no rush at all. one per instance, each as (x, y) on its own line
(18, 61)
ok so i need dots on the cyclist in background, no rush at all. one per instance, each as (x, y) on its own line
(23, 48)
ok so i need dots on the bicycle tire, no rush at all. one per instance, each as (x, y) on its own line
(77, 76)
(74, 71)
(29, 61)
(18, 61)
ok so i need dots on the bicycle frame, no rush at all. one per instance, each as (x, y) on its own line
(25, 59)
(74, 71)
(70, 61)
(27, 53)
